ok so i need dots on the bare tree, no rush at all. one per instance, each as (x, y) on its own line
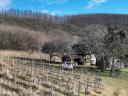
(94, 41)
(49, 48)
(116, 45)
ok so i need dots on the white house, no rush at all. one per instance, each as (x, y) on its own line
(91, 59)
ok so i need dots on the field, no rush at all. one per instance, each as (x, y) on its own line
(30, 74)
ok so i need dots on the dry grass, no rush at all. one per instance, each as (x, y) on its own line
(24, 78)
(20, 78)
(25, 54)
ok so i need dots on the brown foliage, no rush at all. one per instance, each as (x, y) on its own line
(17, 38)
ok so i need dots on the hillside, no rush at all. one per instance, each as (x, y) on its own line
(113, 20)
(73, 27)
(70, 23)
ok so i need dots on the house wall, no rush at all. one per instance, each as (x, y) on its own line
(90, 59)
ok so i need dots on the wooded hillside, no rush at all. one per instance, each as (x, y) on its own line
(76, 28)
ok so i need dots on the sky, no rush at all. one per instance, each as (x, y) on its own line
(68, 7)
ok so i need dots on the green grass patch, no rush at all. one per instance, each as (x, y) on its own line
(117, 84)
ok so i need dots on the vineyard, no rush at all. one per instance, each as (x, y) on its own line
(26, 76)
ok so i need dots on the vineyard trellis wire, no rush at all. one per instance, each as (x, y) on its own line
(25, 76)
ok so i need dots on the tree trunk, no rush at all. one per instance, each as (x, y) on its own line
(50, 59)
(102, 65)
(112, 67)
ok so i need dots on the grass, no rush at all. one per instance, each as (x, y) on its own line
(118, 85)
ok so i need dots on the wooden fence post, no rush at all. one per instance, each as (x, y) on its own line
(79, 87)
(87, 88)
(74, 87)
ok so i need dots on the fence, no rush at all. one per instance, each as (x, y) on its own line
(25, 76)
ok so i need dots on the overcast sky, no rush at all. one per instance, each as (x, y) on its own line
(66, 7)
